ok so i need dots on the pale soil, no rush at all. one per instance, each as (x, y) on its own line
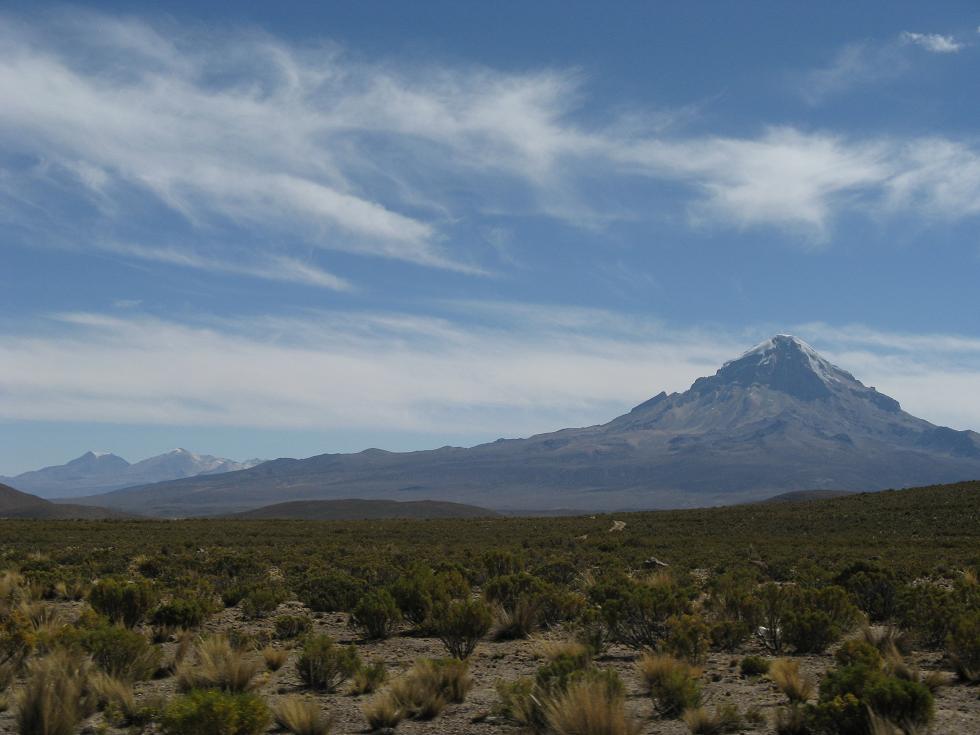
(957, 705)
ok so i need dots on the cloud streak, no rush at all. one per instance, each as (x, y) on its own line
(527, 368)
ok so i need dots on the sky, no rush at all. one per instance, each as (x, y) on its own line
(280, 229)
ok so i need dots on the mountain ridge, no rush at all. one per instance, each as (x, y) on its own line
(777, 419)
(101, 471)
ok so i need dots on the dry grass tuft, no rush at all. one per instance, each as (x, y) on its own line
(382, 712)
(725, 718)
(878, 725)
(550, 649)
(785, 674)
(215, 664)
(368, 678)
(792, 720)
(54, 699)
(302, 716)
(275, 658)
(889, 641)
(672, 683)
(589, 708)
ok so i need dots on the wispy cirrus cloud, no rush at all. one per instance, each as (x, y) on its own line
(248, 149)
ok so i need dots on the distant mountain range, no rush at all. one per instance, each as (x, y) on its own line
(99, 472)
(778, 419)
(15, 504)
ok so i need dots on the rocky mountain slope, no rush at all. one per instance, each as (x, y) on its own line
(779, 418)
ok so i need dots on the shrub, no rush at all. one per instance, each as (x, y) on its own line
(754, 666)
(417, 591)
(335, 592)
(774, 604)
(215, 664)
(120, 652)
(54, 698)
(927, 611)
(323, 665)
(637, 614)
(851, 695)
(460, 625)
(589, 708)
(687, 638)
(302, 716)
(122, 602)
(673, 684)
(858, 652)
(262, 600)
(376, 615)
(725, 718)
(963, 645)
(211, 712)
(818, 618)
(873, 590)
(182, 613)
(785, 674)
(368, 678)
(292, 626)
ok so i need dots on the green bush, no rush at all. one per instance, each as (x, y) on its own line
(963, 646)
(927, 611)
(262, 600)
(851, 695)
(122, 602)
(376, 615)
(419, 589)
(120, 652)
(818, 618)
(754, 666)
(637, 614)
(335, 592)
(324, 665)
(873, 590)
(687, 638)
(181, 612)
(860, 653)
(292, 626)
(212, 712)
(460, 624)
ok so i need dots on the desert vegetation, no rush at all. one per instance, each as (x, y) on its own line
(857, 615)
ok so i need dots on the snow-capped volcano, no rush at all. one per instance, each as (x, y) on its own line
(778, 418)
(101, 471)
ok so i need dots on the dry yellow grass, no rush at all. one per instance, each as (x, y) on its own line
(656, 668)
(588, 708)
(701, 721)
(382, 711)
(215, 664)
(785, 674)
(550, 649)
(302, 716)
(275, 658)
(54, 698)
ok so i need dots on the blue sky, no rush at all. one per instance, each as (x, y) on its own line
(257, 229)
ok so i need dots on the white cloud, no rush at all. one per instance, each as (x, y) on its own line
(933, 42)
(526, 369)
(251, 140)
